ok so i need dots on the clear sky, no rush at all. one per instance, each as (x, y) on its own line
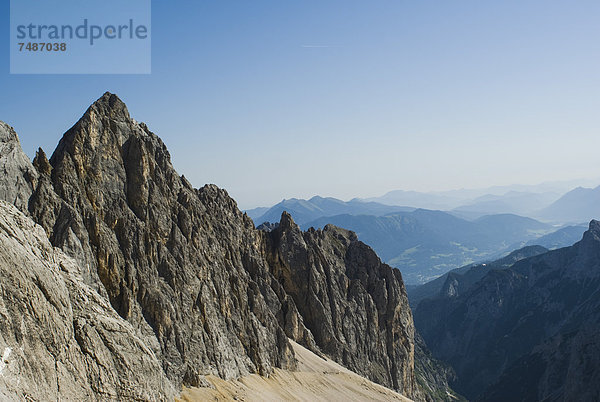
(281, 99)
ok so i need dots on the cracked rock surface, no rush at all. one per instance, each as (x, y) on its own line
(59, 338)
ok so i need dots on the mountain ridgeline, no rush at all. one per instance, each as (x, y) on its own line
(578, 205)
(305, 211)
(454, 282)
(197, 290)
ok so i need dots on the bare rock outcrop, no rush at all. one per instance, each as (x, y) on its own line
(171, 259)
(59, 339)
(354, 305)
(17, 175)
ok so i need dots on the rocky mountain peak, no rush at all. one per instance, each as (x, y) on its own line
(7, 134)
(591, 238)
(337, 282)
(41, 163)
(198, 284)
(287, 222)
(588, 252)
(595, 228)
(341, 233)
(108, 105)
(17, 175)
(103, 129)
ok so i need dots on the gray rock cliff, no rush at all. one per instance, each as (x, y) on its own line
(354, 305)
(17, 175)
(59, 339)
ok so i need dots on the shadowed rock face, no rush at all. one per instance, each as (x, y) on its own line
(354, 305)
(205, 291)
(528, 332)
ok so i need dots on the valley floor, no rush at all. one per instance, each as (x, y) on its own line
(317, 379)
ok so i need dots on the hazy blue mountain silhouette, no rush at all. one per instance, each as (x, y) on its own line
(577, 206)
(518, 198)
(422, 200)
(304, 211)
(513, 202)
(256, 213)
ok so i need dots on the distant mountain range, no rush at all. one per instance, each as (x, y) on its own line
(513, 202)
(425, 244)
(576, 206)
(441, 201)
(305, 211)
(549, 202)
(491, 200)
(524, 332)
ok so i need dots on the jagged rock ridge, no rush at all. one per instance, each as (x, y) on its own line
(205, 291)
(334, 279)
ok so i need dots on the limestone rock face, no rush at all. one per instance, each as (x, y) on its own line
(17, 175)
(59, 338)
(354, 305)
(203, 290)
(173, 260)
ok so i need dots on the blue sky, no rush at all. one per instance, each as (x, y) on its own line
(280, 99)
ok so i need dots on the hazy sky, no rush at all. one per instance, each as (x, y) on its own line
(281, 99)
